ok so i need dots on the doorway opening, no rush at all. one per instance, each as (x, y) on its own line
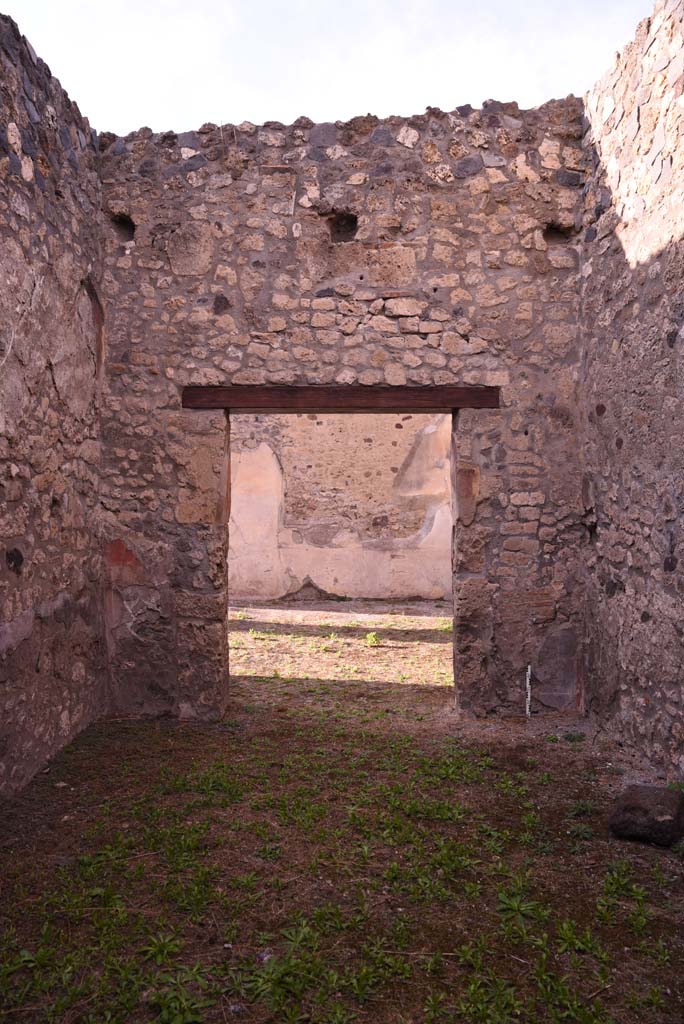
(340, 541)
(309, 403)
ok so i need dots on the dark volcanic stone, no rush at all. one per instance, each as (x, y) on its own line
(28, 87)
(221, 304)
(188, 140)
(381, 171)
(33, 114)
(468, 166)
(651, 814)
(147, 169)
(28, 144)
(195, 162)
(323, 135)
(382, 136)
(566, 177)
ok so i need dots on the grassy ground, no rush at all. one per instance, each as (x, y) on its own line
(337, 850)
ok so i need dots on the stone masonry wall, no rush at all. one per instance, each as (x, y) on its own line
(434, 249)
(438, 249)
(344, 472)
(357, 505)
(51, 665)
(632, 390)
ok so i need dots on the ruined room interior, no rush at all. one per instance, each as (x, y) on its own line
(197, 331)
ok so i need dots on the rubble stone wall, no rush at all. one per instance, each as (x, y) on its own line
(355, 505)
(438, 249)
(530, 250)
(632, 389)
(52, 679)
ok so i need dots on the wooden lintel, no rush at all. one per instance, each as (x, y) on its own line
(340, 398)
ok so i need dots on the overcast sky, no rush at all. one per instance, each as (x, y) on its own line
(178, 63)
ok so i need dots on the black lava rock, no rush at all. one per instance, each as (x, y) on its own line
(468, 166)
(650, 814)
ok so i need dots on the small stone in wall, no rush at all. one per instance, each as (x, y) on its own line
(650, 814)
(408, 137)
(523, 169)
(14, 137)
(221, 304)
(468, 166)
(441, 173)
(15, 560)
(394, 374)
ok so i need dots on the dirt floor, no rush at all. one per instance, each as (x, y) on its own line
(343, 847)
(395, 659)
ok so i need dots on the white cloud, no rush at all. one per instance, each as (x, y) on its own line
(174, 65)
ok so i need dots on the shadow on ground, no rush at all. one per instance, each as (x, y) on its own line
(439, 635)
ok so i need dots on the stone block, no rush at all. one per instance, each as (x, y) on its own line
(649, 814)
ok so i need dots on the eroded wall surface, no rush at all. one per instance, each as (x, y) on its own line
(435, 249)
(633, 377)
(357, 506)
(51, 663)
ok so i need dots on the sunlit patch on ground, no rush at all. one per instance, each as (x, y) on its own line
(390, 659)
